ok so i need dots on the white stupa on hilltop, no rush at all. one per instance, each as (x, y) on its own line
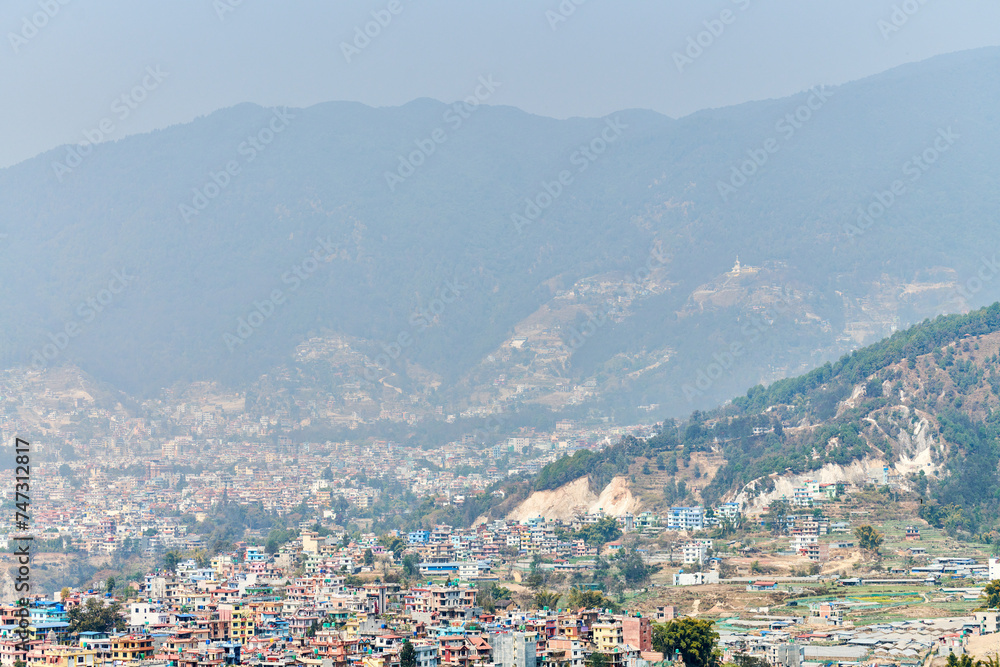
(741, 270)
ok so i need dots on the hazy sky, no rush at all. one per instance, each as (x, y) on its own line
(64, 63)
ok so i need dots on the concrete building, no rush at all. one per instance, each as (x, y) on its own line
(426, 653)
(989, 621)
(637, 633)
(785, 655)
(665, 613)
(696, 552)
(686, 518)
(515, 648)
(696, 578)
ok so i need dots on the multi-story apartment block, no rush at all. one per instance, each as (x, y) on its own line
(686, 518)
(514, 649)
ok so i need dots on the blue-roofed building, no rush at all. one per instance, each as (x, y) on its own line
(46, 611)
(439, 568)
(40, 630)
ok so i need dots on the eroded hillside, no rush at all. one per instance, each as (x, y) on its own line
(918, 410)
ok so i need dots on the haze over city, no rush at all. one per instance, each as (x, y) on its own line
(558, 334)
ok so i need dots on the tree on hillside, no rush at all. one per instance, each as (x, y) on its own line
(991, 595)
(633, 568)
(693, 638)
(581, 599)
(777, 516)
(965, 660)
(411, 564)
(600, 533)
(548, 599)
(601, 568)
(488, 594)
(394, 544)
(671, 466)
(744, 660)
(96, 616)
(675, 492)
(597, 659)
(869, 540)
(171, 559)
(407, 655)
(535, 580)
(276, 538)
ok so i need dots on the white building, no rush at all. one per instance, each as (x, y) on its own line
(731, 510)
(696, 578)
(806, 494)
(802, 542)
(686, 518)
(143, 614)
(696, 552)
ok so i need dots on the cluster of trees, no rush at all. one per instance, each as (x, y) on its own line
(411, 565)
(675, 492)
(487, 596)
(278, 537)
(547, 599)
(580, 598)
(96, 616)
(600, 533)
(394, 544)
(631, 567)
(600, 467)
(965, 660)
(230, 521)
(991, 595)
(776, 516)
(869, 540)
(694, 639)
(967, 499)
(626, 569)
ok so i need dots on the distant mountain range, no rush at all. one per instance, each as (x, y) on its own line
(591, 261)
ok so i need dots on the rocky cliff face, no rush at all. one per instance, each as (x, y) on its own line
(616, 499)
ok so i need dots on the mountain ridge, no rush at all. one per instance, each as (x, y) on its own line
(453, 217)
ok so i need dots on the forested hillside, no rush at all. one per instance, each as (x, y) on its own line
(938, 380)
